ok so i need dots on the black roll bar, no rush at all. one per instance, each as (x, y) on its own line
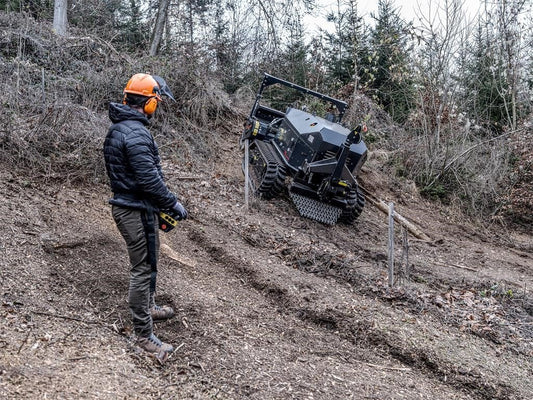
(269, 80)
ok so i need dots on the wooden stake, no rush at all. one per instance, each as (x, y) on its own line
(391, 244)
(406, 252)
(246, 171)
(42, 90)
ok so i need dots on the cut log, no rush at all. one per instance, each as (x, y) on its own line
(382, 206)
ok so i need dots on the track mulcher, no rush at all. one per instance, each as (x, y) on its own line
(317, 158)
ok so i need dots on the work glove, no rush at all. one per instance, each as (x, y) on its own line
(181, 212)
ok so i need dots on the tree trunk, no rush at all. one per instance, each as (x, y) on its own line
(159, 26)
(60, 17)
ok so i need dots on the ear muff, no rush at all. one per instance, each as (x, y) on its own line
(150, 105)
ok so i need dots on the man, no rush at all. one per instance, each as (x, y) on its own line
(139, 193)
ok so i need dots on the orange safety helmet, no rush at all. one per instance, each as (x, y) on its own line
(144, 85)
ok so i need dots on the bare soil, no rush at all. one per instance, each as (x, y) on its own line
(269, 305)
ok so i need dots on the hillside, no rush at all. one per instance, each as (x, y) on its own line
(269, 305)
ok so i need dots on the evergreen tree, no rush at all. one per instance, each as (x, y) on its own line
(38, 9)
(229, 44)
(133, 28)
(345, 47)
(290, 64)
(95, 15)
(388, 76)
(483, 80)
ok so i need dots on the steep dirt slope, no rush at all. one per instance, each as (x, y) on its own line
(269, 305)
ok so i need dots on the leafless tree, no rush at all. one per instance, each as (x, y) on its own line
(510, 15)
(443, 27)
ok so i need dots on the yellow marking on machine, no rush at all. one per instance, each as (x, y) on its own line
(256, 128)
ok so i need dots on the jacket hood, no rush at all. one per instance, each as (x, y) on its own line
(121, 112)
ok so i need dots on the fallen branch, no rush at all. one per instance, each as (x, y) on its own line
(65, 317)
(190, 178)
(70, 245)
(175, 175)
(78, 358)
(24, 341)
(455, 266)
(166, 250)
(382, 206)
(384, 366)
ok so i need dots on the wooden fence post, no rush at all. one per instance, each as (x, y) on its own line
(391, 244)
(246, 171)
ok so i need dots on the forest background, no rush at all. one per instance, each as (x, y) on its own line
(455, 93)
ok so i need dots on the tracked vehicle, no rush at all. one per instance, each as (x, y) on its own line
(315, 158)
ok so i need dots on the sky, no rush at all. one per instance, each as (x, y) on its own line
(409, 10)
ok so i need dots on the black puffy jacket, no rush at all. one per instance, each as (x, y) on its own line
(133, 163)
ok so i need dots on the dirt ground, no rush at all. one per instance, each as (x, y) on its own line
(269, 305)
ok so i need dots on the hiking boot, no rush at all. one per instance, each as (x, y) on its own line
(159, 313)
(152, 344)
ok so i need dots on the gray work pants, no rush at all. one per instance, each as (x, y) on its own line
(143, 250)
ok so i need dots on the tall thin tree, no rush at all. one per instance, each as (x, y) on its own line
(60, 17)
(159, 27)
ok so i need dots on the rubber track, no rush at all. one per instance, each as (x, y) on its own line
(270, 180)
(356, 203)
